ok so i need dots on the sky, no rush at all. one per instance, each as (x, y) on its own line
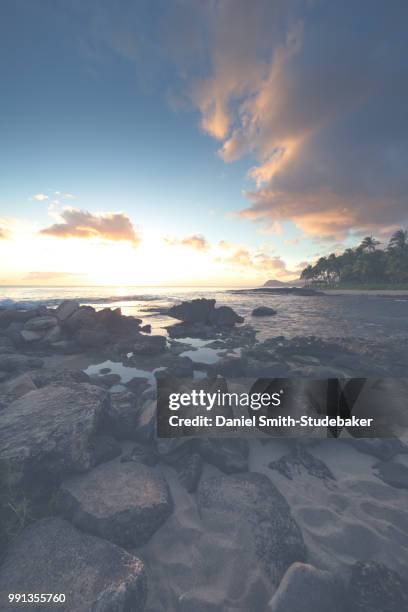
(197, 142)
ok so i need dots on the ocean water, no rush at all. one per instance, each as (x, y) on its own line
(326, 316)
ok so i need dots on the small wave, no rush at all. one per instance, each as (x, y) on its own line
(34, 303)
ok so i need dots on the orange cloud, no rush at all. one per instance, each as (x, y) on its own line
(83, 224)
(195, 241)
(260, 262)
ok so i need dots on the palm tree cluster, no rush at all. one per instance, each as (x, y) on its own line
(363, 264)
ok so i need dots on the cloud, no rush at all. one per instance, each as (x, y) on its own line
(76, 223)
(195, 241)
(240, 256)
(318, 100)
(3, 233)
(40, 197)
(44, 276)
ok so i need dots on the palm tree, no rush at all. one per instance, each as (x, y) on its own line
(368, 244)
(399, 240)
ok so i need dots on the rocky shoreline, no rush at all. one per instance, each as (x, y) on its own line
(94, 505)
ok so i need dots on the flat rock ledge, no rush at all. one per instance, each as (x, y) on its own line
(47, 432)
(121, 502)
(51, 556)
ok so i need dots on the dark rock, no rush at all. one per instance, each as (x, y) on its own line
(263, 311)
(51, 556)
(137, 384)
(143, 453)
(298, 462)
(104, 448)
(121, 416)
(121, 502)
(189, 472)
(195, 311)
(251, 510)
(149, 345)
(47, 432)
(376, 588)
(233, 367)
(65, 347)
(54, 376)
(13, 362)
(32, 336)
(228, 455)
(92, 338)
(307, 589)
(105, 380)
(146, 329)
(224, 316)
(393, 474)
(17, 387)
(66, 309)
(12, 315)
(83, 318)
(105, 370)
(40, 323)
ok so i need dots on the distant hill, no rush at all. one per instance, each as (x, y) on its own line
(277, 283)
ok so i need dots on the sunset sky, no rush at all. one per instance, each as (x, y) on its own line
(197, 142)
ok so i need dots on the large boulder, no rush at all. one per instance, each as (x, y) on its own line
(253, 512)
(83, 317)
(196, 311)
(121, 418)
(224, 316)
(55, 376)
(263, 311)
(47, 432)
(149, 345)
(121, 502)
(37, 324)
(307, 589)
(66, 309)
(51, 556)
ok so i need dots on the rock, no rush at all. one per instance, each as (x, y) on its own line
(6, 345)
(40, 323)
(4, 376)
(263, 311)
(12, 315)
(189, 471)
(105, 370)
(54, 376)
(137, 384)
(149, 345)
(66, 309)
(376, 588)
(224, 316)
(393, 474)
(104, 448)
(228, 455)
(106, 380)
(121, 416)
(121, 502)
(146, 421)
(47, 432)
(233, 367)
(20, 386)
(296, 463)
(146, 329)
(83, 318)
(92, 338)
(53, 335)
(196, 311)
(307, 589)
(13, 362)
(251, 510)
(51, 556)
(65, 347)
(142, 453)
(31, 336)
(382, 448)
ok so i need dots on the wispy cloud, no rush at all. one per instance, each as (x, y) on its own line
(76, 223)
(40, 197)
(195, 241)
(44, 276)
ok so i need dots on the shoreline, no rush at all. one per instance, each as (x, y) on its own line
(396, 293)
